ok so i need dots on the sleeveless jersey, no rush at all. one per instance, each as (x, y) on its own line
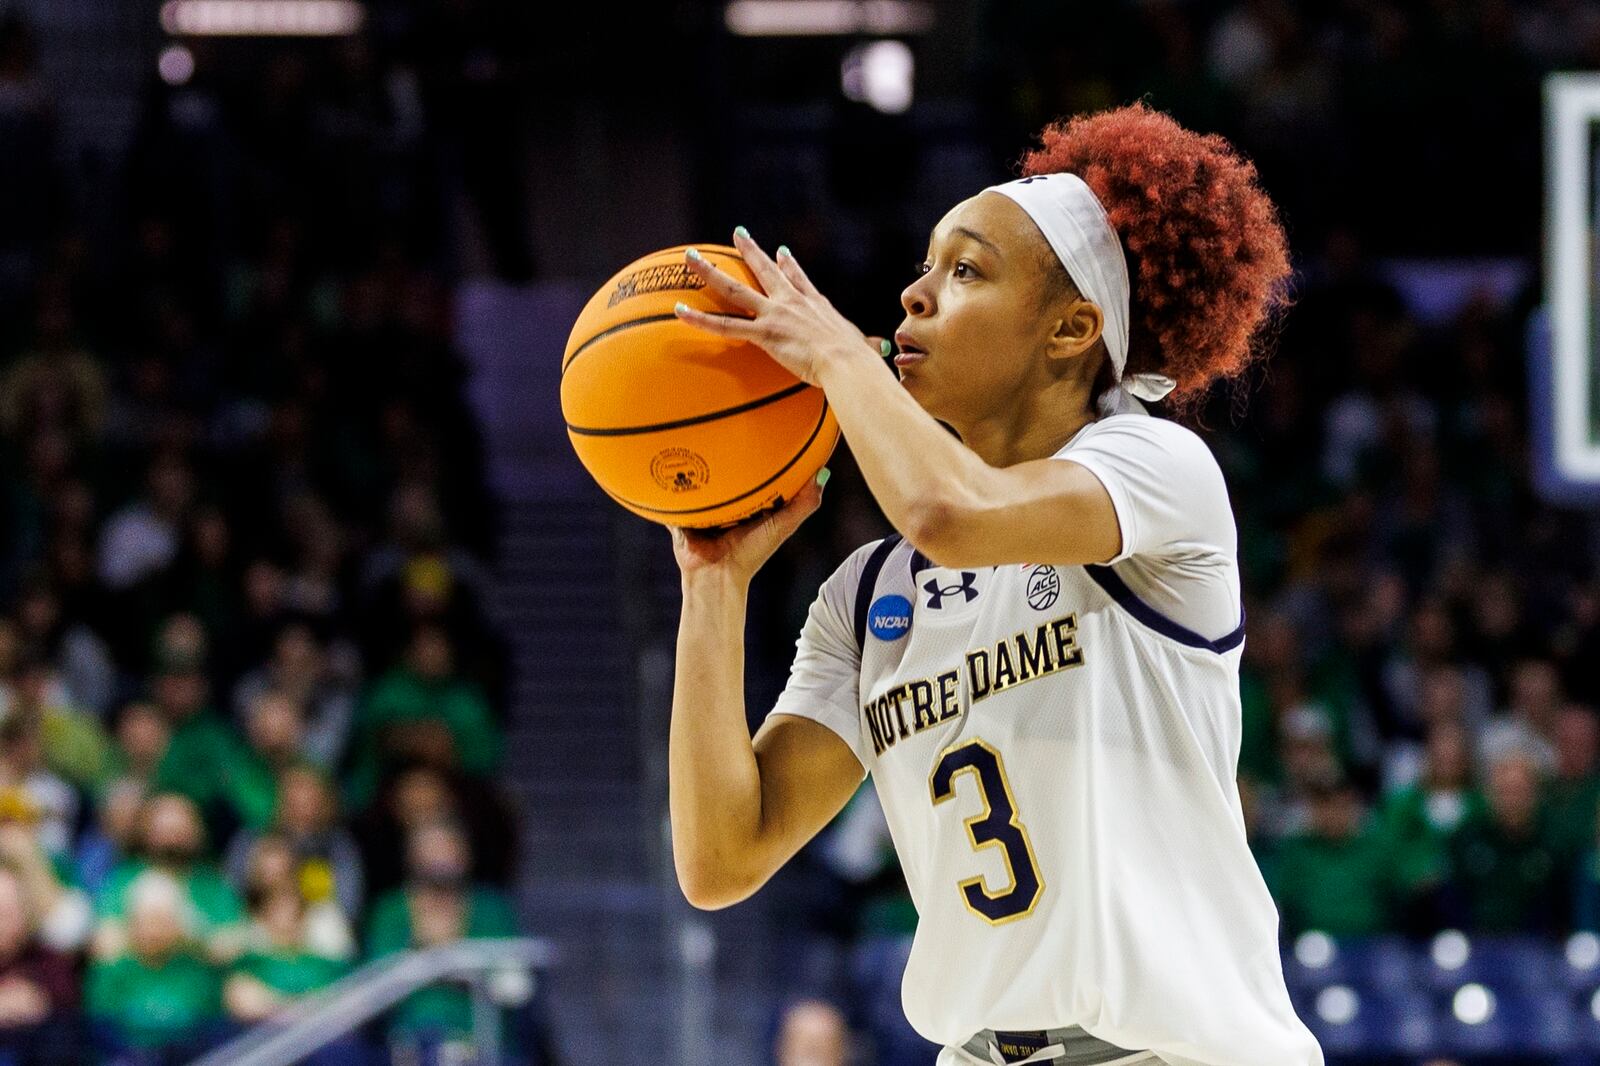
(1055, 750)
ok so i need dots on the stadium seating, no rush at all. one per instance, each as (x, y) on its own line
(1372, 1000)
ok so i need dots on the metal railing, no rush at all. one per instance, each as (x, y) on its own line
(318, 1020)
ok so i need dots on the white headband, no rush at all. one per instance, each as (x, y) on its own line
(1072, 219)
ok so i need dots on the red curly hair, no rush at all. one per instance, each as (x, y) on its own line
(1208, 262)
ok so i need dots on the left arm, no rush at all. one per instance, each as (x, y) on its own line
(954, 507)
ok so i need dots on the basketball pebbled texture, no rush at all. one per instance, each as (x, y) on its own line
(678, 425)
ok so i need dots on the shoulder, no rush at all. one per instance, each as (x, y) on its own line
(121, 876)
(391, 908)
(859, 566)
(209, 882)
(492, 913)
(1137, 435)
(389, 924)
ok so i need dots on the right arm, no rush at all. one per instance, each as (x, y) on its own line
(740, 808)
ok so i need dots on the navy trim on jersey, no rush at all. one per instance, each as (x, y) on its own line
(869, 584)
(1118, 590)
(919, 563)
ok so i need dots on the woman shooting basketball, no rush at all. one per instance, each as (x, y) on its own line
(1042, 675)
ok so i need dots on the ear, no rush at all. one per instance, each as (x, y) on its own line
(1077, 330)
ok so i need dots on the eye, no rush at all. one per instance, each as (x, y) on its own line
(966, 266)
(921, 268)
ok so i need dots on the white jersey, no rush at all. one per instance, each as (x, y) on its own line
(1055, 750)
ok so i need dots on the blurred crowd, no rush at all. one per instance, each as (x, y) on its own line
(250, 688)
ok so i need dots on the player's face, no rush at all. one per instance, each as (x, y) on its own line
(977, 321)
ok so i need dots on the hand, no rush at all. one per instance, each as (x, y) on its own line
(22, 1002)
(437, 917)
(791, 321)
(744, 549)
(17, 844)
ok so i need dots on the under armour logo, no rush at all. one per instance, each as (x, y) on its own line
(1030, 181)
(937, 592)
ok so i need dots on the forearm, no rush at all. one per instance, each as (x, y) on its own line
(714, 784)
(915, 468)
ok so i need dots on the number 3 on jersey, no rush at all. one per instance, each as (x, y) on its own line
(997, 826)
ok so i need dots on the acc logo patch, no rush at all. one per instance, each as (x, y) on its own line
(890, 617)
(1044, 588)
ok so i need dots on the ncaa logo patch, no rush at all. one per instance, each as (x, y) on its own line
(890, 617)
(1044, 588)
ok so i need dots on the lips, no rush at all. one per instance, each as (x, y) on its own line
(910, 350)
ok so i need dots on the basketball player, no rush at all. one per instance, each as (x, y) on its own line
(1040, 670)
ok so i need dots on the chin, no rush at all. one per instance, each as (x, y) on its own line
(921, 391)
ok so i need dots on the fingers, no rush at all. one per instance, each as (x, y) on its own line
(790, 268)
(805, 503)
(760, 263)
(736, 326)
(728, 289)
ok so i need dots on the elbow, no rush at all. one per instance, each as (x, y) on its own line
(711, 885)
(940, 528)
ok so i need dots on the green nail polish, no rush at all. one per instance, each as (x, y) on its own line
(740, 231)
(693, 253)
(783, 249)
(680, 307)
(884, 348)
(822, 478)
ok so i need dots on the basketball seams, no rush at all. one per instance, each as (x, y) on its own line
(669, 255)
(695, 420)
(822, 420)
(619, 327)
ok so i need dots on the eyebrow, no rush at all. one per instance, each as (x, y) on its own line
(974, 235)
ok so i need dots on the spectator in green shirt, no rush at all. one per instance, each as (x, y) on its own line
(438, 905)
(1572, 794)
(274, 726)
(1337, 876)
(278, 966)
(172, 842)
(1504, 865)
(158, 1001)
(1422, 819)
(423, 710)
(270, 866)
(142, 739)
(205, 759)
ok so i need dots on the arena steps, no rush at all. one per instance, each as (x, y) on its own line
(587, 597)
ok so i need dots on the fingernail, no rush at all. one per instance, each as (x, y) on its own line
(740, 231)
(680, 307)
(783, 249)
(884, 348)
(822, 478)
(693, 253)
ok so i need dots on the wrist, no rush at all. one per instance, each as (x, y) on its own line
(835, 363)
(715, 584)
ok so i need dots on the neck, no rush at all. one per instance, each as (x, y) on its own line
(1034, 425)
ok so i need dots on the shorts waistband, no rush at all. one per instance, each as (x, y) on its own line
(1073, 1047)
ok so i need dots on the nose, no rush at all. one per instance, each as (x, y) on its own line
(917, 298)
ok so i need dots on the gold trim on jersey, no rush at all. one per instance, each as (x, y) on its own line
(1024, 656)
(995, 837)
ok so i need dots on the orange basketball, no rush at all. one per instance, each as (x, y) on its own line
(677, 425)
